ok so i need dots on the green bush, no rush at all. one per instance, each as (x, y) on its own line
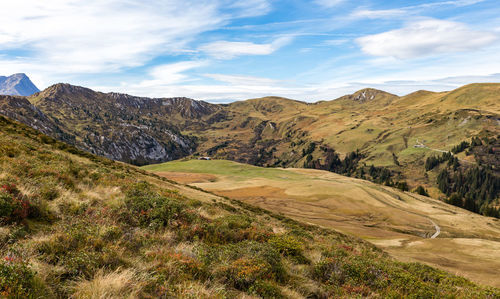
(48, 192)
(17, 280)
(228, 229)
(289, 246)
(241, 264)
(265, 289)
(80, 251)
(421, 190)
(147, 208)
(13, 206)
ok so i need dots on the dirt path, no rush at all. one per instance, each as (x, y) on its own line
(421, 145)
(438, 229)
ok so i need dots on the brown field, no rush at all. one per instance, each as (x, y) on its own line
(400, 223)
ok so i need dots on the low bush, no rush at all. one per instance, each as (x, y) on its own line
(289, 246)
(17, 280)
(241, 264)
(421, 190)
(147, 208)
(14, 207)
(80, 251)
(228, 229)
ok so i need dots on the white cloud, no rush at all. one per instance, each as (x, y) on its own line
(379, 14)
(425, 37)
(61, 38)
(250, 8)
(408, 10)
(229, 50)
(243, 80)
(173, 73)
(328, 3)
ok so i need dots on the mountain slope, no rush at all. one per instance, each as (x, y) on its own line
(76, 225)
(117, 126)
(17, 84)
(407, 225)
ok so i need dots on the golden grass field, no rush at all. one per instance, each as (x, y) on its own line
(401, 223)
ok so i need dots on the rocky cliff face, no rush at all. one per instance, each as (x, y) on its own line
(121, 127)
(17, 84)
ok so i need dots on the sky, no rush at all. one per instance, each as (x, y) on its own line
(223, 50)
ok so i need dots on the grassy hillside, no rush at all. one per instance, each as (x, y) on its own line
(401, 223)
(76, 225)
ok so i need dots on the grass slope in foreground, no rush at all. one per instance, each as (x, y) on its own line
(76, 225)
(401, 223)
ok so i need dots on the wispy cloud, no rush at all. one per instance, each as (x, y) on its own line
(173, 73)
(425, 37)
(243, 80)
(328, 3)
(96, 36)
(229, 50)
(379, 14)
(249, 8)
(406, 11)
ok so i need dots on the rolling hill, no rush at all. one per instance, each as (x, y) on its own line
(77, 225)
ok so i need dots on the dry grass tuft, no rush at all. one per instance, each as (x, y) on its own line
(117, 284)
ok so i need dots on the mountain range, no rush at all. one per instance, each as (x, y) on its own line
(370, 134)
(17, 84)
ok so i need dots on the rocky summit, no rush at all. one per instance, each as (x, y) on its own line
(17, 84)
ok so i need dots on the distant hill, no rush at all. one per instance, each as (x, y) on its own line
(18, 85)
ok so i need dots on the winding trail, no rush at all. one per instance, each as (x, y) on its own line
(421, 145)
(438, 229)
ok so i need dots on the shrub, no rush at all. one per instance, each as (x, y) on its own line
(403, 186)
(13, 206)
(257, 260)
(80, 251)
(344, 265)
(265, 289)
(17, 280)
(149, 209)
(421, 190)
(177, 267)
(289, 246)
(48, 192)
(229, 229)
(244, 272)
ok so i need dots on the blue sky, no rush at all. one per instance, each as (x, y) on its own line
(222, 50)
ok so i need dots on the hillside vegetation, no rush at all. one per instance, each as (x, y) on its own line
(407, 225)
(77, 225)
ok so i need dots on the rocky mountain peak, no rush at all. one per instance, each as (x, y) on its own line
(17, 84)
